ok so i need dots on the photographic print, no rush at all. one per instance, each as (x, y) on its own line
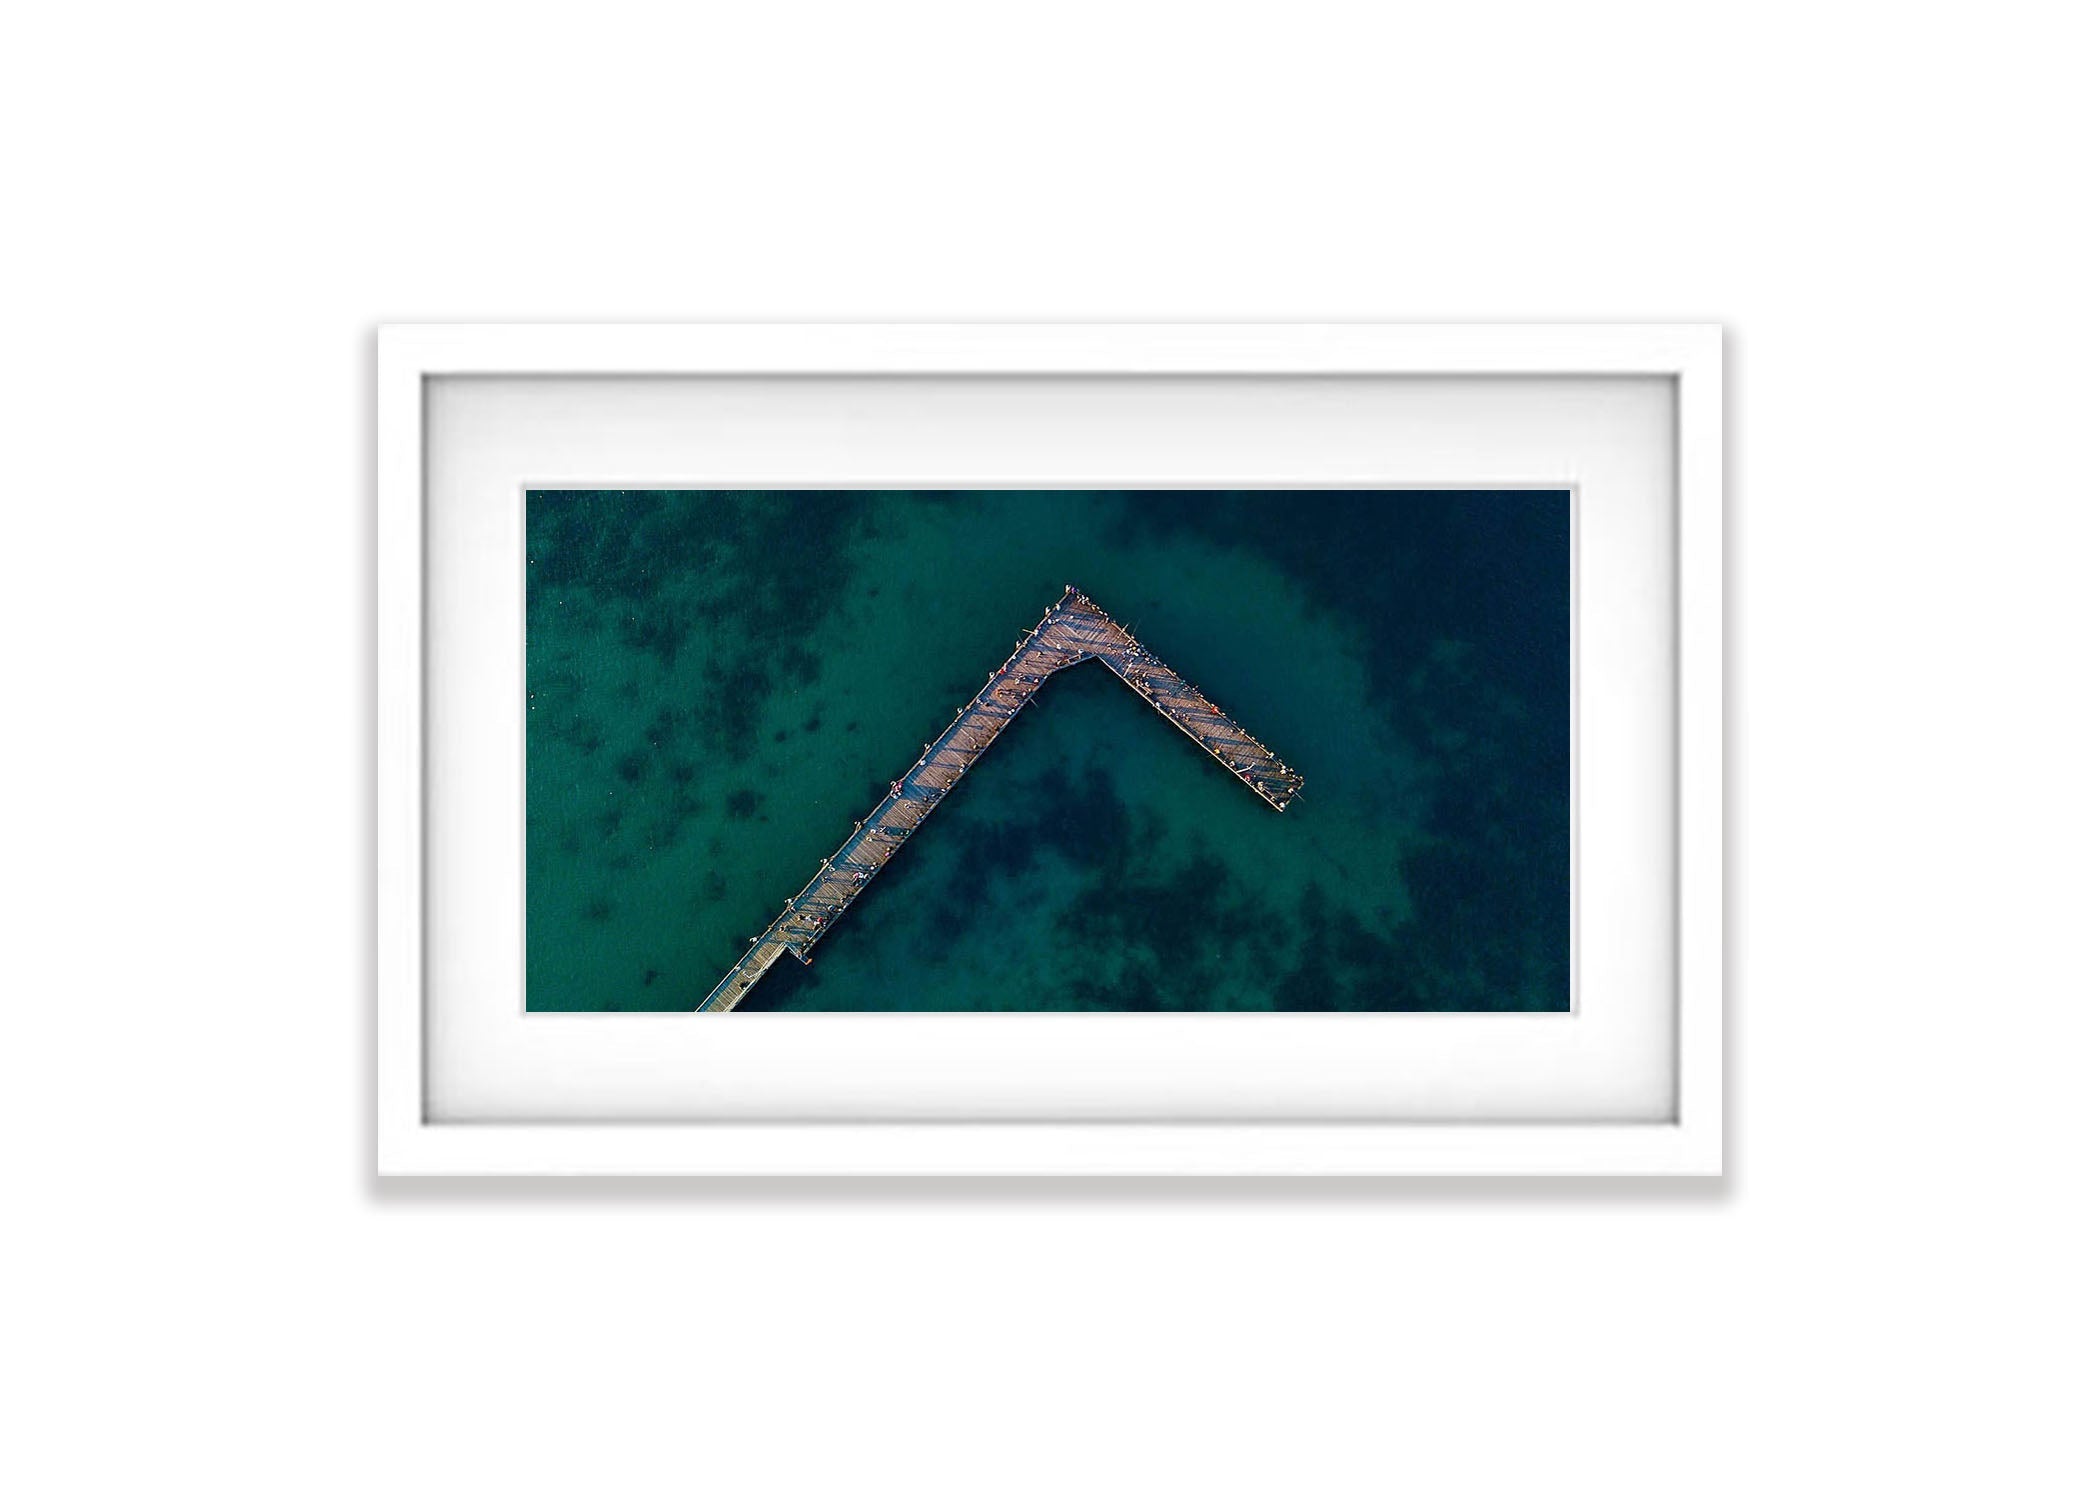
(1166, 750)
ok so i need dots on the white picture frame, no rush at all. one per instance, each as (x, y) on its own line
(1686, 1140)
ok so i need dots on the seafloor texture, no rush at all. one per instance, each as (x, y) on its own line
(719, 683)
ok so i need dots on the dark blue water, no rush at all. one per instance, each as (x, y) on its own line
(720, 683)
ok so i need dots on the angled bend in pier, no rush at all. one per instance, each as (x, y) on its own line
(1072, 630)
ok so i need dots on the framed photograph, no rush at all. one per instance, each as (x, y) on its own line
(1082, 750)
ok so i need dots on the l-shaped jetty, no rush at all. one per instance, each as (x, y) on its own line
(1073, 630)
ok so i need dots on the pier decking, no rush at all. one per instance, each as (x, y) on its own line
(1073, 630)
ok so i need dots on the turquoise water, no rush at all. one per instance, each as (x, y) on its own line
(719, 683)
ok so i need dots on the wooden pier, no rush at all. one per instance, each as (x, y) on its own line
(1071, 631)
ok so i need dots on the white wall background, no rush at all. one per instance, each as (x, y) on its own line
(202, 1290)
